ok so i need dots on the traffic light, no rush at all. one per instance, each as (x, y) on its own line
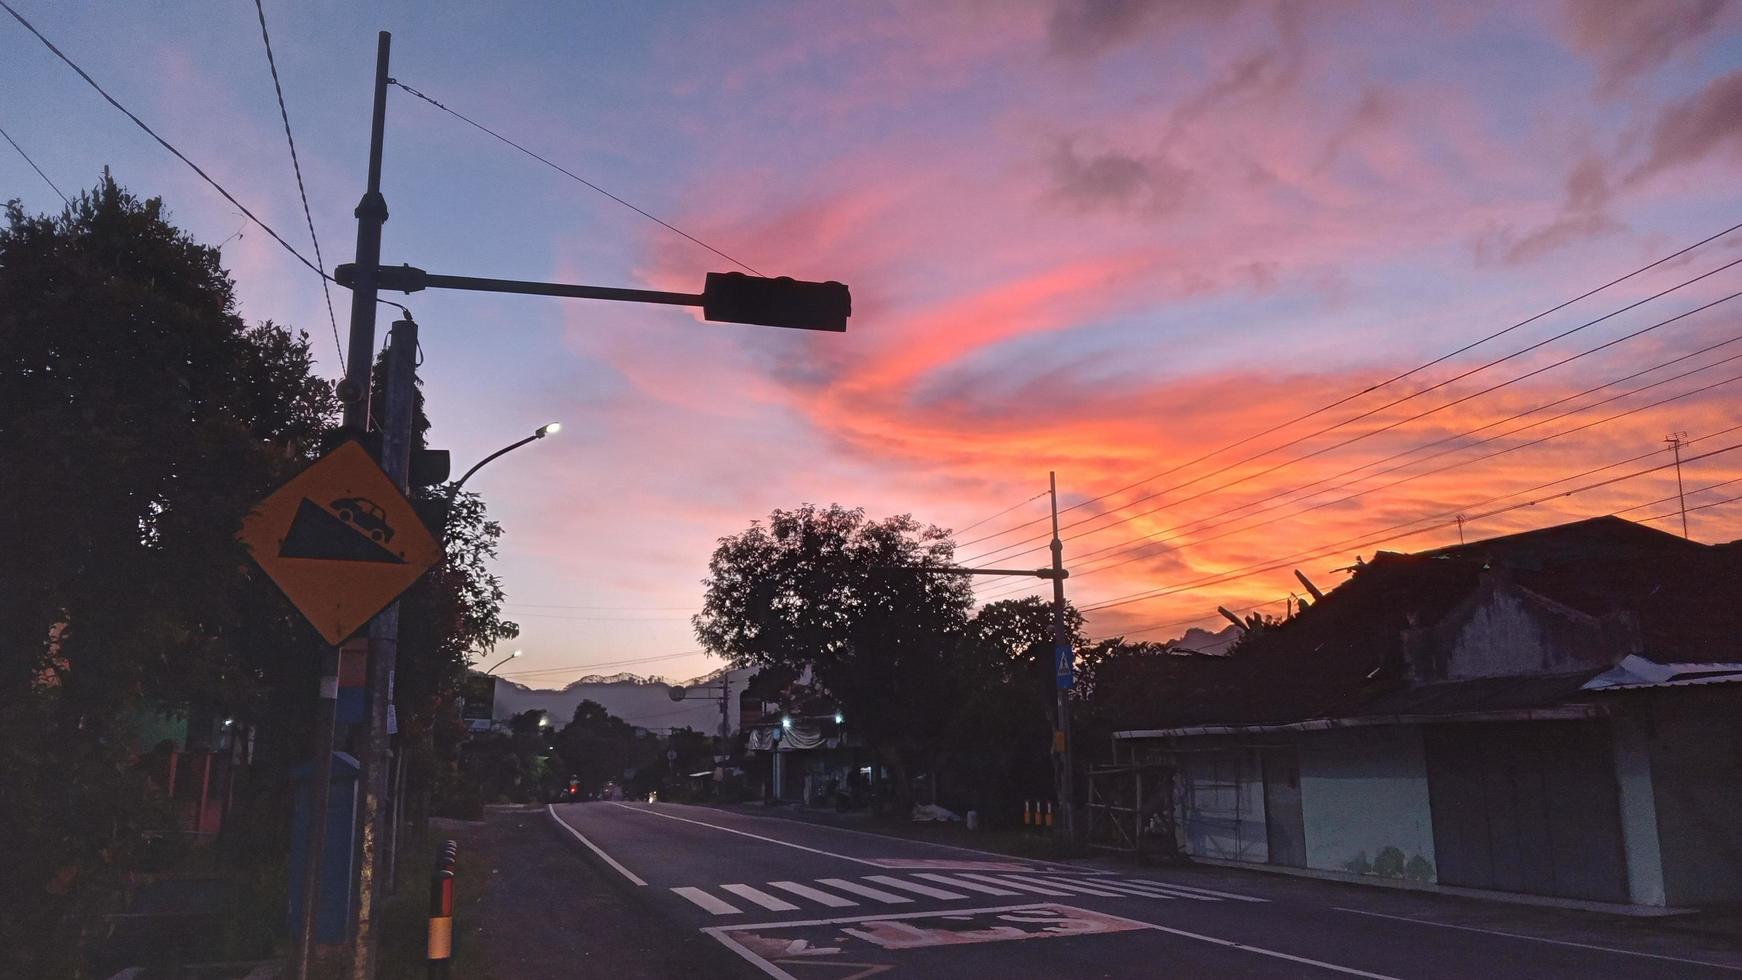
(733, 297)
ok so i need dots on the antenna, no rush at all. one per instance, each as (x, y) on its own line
(1676, 440)
(1460, 520)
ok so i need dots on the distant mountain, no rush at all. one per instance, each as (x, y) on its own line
(1198, 640)
(634, 699)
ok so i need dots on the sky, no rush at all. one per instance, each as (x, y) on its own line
(1172, 251)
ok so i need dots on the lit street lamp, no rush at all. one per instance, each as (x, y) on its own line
(504, 660)
(547, 429)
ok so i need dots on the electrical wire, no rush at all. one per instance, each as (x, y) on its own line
(1001, 513)
(606, 663)
(574, 176)
(1365, 540)
(1399, 377)
(296, 166)
(160, 140)
(1206, 617)
(1141, 543)
(1665, 516)
(1001, 552)
(33, 166)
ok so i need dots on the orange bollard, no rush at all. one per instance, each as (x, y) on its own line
(1027, 817)
(1049, 813)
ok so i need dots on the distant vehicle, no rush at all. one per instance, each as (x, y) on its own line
(365, 515)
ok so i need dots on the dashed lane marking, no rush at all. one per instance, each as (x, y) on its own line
(760, 897)
(875, 894)
(709, 903)
(819, 897)
(918, 889)
(972, 886)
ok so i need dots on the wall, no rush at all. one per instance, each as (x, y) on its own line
(1219, 799)
(1364, 802)
(1696, 768)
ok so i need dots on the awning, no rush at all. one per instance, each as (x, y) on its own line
(1567, 712)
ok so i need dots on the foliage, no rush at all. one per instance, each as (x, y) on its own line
(835, 593)
(140, 419)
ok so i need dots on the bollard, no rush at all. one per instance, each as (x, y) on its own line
(1049, 813)
(1027, 816)
(440, 949)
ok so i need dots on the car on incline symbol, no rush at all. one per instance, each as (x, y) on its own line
(365, 515)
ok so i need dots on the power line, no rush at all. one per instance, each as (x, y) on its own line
(557, 605)
(604, 619)
(1364, 540)
(296, 166)
(574, 176)
(1399, 377)
(1001, 513)
(33, 166)
(1658, 517)
(606, 663)
(1209, 523)
(1206, 617)
(160, 140)
(1006, 549)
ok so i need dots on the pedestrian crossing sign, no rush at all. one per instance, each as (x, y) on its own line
(340, 540)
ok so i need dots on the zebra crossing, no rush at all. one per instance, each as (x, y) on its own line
(888, 889)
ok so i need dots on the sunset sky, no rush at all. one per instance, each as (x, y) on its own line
(1105, 239)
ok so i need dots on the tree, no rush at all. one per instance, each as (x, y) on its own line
(831, 592)
(140, 419)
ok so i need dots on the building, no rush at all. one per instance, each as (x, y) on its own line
(1556, 713)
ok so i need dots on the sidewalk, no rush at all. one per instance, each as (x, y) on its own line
(547, 909)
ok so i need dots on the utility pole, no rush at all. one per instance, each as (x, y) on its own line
(373, 857)
(1676, 440)
(1460, 520)
(354, 394)
(1066, 671)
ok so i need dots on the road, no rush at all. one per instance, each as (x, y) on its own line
(790, 899)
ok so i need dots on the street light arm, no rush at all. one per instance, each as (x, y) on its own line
(454, 491)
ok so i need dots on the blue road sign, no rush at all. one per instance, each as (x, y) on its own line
(1065, 662)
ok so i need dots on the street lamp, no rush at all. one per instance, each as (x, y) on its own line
(547, 429)
(504, 660)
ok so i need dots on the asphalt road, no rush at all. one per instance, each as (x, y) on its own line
(746, 895)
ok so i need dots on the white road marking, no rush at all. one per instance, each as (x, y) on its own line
(1051, 883)
(969, 885)
(708, 902)
(608, 859)
(723, 934)
(745, 833)
(805, 891)
(1036, 889)
(1540, 939)
(945, 847)
(1130, 890)
(875, 894)
(1195, 890)
(760, 897)
(926, 890)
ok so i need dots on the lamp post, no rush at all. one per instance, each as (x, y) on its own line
(499, 663)
(547, 429)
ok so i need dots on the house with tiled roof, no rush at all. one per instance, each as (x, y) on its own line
(1556, 713)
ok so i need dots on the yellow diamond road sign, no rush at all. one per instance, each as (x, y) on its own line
(340, 540)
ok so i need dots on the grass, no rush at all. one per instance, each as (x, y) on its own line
(405, 920)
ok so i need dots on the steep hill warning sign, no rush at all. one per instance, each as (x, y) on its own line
(340, 540)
